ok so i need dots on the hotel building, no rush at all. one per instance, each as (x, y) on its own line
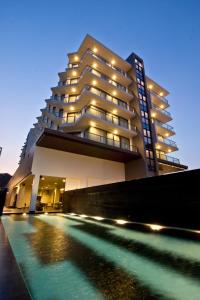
(106, 121)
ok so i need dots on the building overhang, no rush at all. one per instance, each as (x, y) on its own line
(69, 143)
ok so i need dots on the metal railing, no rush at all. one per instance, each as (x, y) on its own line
(167, 158)
(167, 113)
(108, 141)
(166, 126)
(167, 141)
(160, 97)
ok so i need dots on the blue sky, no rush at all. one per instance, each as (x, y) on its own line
(36, 36)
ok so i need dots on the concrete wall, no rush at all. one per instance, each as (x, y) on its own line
(80, 171)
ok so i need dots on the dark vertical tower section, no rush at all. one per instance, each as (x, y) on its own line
(144, 109)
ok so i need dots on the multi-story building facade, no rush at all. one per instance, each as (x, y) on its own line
(105, 121)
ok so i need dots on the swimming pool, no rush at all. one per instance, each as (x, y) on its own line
(74, 257)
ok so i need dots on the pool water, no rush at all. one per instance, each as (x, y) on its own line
(72, 257)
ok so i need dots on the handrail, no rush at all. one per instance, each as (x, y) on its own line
(161, 110)
(102, 139)
(168, 158)
(166, 126)
(160, 97)
(167, 141)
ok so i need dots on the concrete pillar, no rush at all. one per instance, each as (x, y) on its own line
(34, 193)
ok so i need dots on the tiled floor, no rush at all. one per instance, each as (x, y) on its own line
(12, 286)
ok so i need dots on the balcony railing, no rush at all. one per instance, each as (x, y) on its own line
(167, 113)
(167, 141)
(166, 126)
(106, 96)
(168, 158)
(108, 141)
(160, 97)
(103, 60)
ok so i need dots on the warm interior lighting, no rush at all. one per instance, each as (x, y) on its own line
(98, 218)
(62, 189)
(42, 178)
(158, 147)
(114, 93)
(73, 89)
(74, 73)
(114, 111)
(113, 61)
(71, 108)
(93, 102)
(153, 115)
(115, 131)
(94, 65)
(63, 180)
(76, 58)
(121, 222)
(161, 94)
(155, 227)
(162, 106)
(150, 86)
(114, 77)
(94, 82)
(46, 213)
(92, 124)
(24, 214)
(166, 134)
(169, 150)
(95, 50)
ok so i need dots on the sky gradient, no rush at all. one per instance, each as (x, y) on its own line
(37, 35)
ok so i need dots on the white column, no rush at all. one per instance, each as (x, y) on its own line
(34, 193)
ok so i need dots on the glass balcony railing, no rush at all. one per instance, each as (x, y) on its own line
(166, 126)
(167, 141)
(167, 158)
(160, 97)
(167, 113)
(110, 142)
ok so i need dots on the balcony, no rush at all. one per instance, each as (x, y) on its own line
(161, 115)
(166, 144)
(105, 121)
(167, 158)
(110, 142)
(164, 129)
(159, 100)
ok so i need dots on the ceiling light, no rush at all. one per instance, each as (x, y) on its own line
(113, 61)
(169, 150)
(71, 108)
(74, 73)
(162, 106)
(94, 65)
(115, 131)
(153, 115)
(76, 58)
(158, 147)
(114, 93)
(114, 77)
(42, 178)
(161, 94)
(93, 102)
(63, 180)
(114, 111)
(95, 50)
(73, 89)
(92, 124)
(94, 82)
(150, 86)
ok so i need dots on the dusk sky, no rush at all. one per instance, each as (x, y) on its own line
(37, 35)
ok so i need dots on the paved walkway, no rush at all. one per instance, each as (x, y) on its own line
(12, 285)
